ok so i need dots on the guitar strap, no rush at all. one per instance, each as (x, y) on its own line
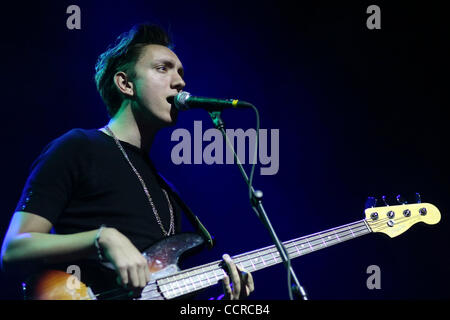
(193, 219)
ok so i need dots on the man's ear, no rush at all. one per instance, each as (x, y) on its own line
(124, 84)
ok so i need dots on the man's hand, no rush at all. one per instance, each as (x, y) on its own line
(129, 263)
(242, 281)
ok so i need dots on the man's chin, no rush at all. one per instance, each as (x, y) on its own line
(168, 121)
(165, 119)
(173, 115)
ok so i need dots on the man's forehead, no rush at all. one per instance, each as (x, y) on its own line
(155, 52)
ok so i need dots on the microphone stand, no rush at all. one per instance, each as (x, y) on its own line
(256, 202)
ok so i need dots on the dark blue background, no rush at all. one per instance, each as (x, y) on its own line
(360, 113)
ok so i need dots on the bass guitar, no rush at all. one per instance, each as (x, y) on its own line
(169, 282)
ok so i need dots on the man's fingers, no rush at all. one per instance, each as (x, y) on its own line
(123, 273)
(247, 279)
(227, 286)
(142, 272)
(147, 274)
(133, 276)
(234, 275)
(130, 264)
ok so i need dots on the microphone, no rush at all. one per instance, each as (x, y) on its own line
(184, 101)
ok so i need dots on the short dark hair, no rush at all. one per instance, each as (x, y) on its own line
(122, 55)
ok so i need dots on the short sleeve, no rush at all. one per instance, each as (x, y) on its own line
(54, 176)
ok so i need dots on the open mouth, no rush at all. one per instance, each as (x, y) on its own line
(171, 100)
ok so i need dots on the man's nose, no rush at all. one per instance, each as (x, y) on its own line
(178, 82)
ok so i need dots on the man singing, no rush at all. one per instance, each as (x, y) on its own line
(95, 194)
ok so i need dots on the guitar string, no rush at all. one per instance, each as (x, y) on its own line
(308, 238)
(247, 260)
(271, 261)
(272, 248)
(377, 227)
(319, 236)
(266, 251)
(200, 284)
(269, 251)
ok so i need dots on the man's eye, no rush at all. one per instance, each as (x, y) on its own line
(161, 68)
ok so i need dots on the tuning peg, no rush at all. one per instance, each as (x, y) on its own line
(400, 199)
(370, 202)
(384, 200)
(418, 199)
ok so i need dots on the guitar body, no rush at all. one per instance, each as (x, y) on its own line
(162, 259)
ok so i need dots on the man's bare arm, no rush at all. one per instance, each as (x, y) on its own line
(28, 243)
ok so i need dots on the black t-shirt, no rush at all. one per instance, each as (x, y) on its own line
(81, 180)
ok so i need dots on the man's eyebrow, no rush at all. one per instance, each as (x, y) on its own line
(170, 63)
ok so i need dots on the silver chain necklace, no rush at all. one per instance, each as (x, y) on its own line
(155, 211)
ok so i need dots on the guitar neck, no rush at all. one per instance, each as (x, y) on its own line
(204, 276)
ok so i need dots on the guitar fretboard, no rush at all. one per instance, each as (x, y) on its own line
(204, 276)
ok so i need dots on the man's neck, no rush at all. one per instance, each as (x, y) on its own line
(126, 127)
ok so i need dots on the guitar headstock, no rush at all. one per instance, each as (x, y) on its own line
(394, 220)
